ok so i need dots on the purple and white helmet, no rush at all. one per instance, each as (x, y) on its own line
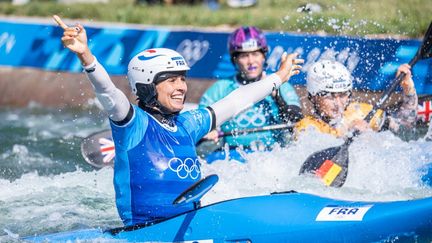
(247, 39)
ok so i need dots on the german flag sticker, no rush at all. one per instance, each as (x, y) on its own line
(328, 172)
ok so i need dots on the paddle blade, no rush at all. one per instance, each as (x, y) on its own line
(197, 190)
(98, 149)
(330, 165)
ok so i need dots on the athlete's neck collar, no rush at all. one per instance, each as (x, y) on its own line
(241, 78)
(158, 114)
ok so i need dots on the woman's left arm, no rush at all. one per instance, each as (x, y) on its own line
(406, 116)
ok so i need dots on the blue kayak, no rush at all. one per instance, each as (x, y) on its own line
(427, 174)
(280, 217)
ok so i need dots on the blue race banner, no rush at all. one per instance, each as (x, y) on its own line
(373, 62)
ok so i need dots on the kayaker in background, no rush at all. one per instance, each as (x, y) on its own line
(248, 49)
(155, 150)
(329, 84)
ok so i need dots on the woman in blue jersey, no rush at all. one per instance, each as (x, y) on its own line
(156, 157)
(248, 49)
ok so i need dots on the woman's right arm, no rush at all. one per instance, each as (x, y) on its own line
(247, 95)
(405, 118)
(113, 100)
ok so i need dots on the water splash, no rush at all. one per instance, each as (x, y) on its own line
(56, 191)
(382, 168)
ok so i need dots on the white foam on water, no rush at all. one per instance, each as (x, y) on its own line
(35, 204)
(382, 168)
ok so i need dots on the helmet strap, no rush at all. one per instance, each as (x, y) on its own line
(159, 113)
(146, 93)
(147, 100)
(316, 110)
(161, 117)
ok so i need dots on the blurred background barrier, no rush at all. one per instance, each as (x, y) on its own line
(372, 61)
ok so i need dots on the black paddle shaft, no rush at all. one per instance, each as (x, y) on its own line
(424, 52)
(274, 127)
(394, 84)
(384, 97)
(258, 129)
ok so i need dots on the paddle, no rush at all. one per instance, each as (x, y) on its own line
(249, 130)
(196, 191)
(191, 194)
(256, 129)
(98, 148)
(331, 164)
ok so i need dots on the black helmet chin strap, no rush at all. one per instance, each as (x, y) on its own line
(147, 97)
(315, 110)
(146, 93)
(159, 112)
(147, 100)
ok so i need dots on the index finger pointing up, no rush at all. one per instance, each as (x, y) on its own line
(60, 22)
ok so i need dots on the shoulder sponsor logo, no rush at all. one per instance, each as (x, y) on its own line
(343, 213)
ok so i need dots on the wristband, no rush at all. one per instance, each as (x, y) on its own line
(91, 67)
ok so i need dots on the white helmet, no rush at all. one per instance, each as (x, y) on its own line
(153, 65)
(328, 76)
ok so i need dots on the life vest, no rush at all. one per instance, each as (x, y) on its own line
(155, 162)
(354, 111)
(261, 114)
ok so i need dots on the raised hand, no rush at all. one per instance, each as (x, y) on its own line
(213, 135)
(289, 66)
(359, 125)
(75, 39)
(407, 83)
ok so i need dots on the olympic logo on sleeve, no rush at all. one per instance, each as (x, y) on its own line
(250, 117)
(184, 169)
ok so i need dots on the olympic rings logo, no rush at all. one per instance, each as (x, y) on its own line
(8, 41)
(347, 56)
(250, 117)
(187, 168)
(193, 50)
